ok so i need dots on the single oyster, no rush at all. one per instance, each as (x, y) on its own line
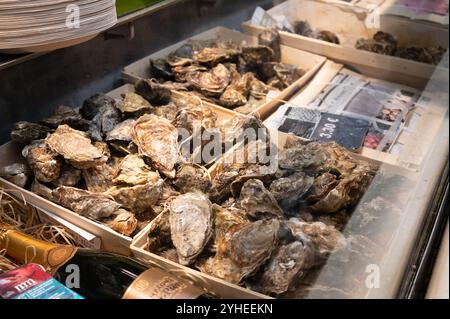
(157, 139)
(303, 28)
(70, 176)
(43, 161)
(195, 117)
(415, 53)
(18, 174)
(382, 43)
(256, 200)
(132, 170)
(41, 190)
(168, 111)
(321, 187)
(237, 92)
(223, 268)
(191, 177)
(75, 147)
(91, 107)
(255, 56)
(214, 56)
(211, 83)
(191, 225)
(288, 264)
(107, 118)
(281, 75)
(271, 38)
(63, 115)
(92, 205)
(153, 92)
(124, 222)
(288, 191)
(134, 104)
(120, 136)
(138, 198)
(327, 36)
(99, 178)
(26, 132)
(160, 69)
(326, 239)
(159, 236)
(90, 128)
(180, 72)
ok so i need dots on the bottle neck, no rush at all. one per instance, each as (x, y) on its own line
(25, 249)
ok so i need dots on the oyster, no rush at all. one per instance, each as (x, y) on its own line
(70, 176)
(191, 223)
(63, 115)
(43, 161)
(216, 55)
(281, 75)
(157, 139)
(255, 56)
(132, 170)
(18, 174)
(170, 254)
(195, 117)
(153, 92)
(322, 186)
(327, 36)
(168, 111)
(191, 177)
(124, 222)
(382, 43)
(237, 92)
(271, 38)
(138, 198)
(99, 178)
(326, 239)
(415, 53)
(288, 191)
(303, 28)
(90, 128)
(75, 147)
(41, 190)
(225, 219)
(257, 200)
(25, 132)
(159, 236)
(223, 268)
(93, 105)
(133, 104)
(180, 72)
(160, 69)
(120, 136)
(210, 83)
(92, 205)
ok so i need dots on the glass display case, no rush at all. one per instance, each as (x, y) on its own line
(355, 105)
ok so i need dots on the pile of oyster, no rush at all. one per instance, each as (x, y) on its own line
(233, 75)
(115, 161)
(303, 28)
(266, 225)
(387, 44)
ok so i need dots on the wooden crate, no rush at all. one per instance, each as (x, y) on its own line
(305, 60)
(350, 26)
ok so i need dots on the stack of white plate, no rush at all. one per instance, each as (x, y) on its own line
(41, 25)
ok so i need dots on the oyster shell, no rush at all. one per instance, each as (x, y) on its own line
(382, 43)
(63, 115)
(255, 56)
(321, 187)
(168, 111)
(415, 53)
(159, 236)
(303, 28)
(195, 116)
(18, 174)
(157, 139)
(236, 94)
(327, 36)
(210, 83)
(160, 69)
(191, 177)
(271, 38)
(180, 72)
(288, 191)
(41, 190)
(124, 222)
(223, 268)
(138, 198)
(43, 161)
(281, 75)
(132, 170)
(191, 223)
(153, 92)
(120, 135)
(215, 55)
(70, 176)
(92, 205)
(75, 147)
(170, 254)
(257, 200)
(26, 132)
(93, 105)
(99, 178)
(133, 104)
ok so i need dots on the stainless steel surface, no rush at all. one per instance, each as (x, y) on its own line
(33, 86)
(438, 288)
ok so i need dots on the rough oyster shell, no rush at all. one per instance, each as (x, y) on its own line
(210, 83)
(191, 177)
(257, 200)
(191, 223)
(415, 53)
(180, 72)
(138, 198)
(93, 105)
(159, 236)
(124, 222)
(157, 139)
(321, 187)
(255, 56)
(153, 92)
(41, 190)
(214, 56)
(381, 43)
(226, 219)
(121, 132)
(236, 94)
(132, 170)
(70, 176)
(327, 36)
(99, 178)
(160, 69)
(92, 205)
(133, 104)
(44, 162)
(271, 38)
(75, 147)
(288, 191)
(63, 115)
(18, 174)
(26, 132)
(195, 117)
(168, 111)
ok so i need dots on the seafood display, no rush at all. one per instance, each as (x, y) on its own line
(387, 44)
(237, 76)
(268, 226)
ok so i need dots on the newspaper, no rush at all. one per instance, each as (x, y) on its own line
(264, 19)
